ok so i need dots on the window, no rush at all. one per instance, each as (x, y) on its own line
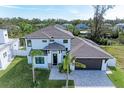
(29, 43)
(44, 41)
(66, 49)
(39, 60)
(4, 54)
(65, 41)
(51, 40)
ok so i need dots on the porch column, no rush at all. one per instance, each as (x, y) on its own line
(59, 57)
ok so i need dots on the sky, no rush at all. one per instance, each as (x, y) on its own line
(67, 12)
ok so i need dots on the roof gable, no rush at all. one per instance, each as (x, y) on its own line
(51, 32)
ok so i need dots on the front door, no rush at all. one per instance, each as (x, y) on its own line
(54, 59)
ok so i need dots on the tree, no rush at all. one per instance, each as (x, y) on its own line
(66, 66)
(98, 20)
(33, 53)
(75, 22)
(73, 30)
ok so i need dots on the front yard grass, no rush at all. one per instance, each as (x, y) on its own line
(19, 75)
(117, 75)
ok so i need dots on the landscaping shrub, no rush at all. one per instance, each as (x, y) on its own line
(121, 39)
(60, 67)
(115, 35)
(101, 41)
(61, 70)
(80, 65)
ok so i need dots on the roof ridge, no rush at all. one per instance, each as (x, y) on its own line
(46, 34)
(77, 47)
(69, 33)
(98, 48)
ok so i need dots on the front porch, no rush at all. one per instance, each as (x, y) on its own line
(48, 57)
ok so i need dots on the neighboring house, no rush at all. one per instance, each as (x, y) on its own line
(119, 26)
(7, 48)
(66, 25)
(85, 33)
(82, 26)
(54, 42)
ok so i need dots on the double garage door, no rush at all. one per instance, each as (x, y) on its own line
(90, 64)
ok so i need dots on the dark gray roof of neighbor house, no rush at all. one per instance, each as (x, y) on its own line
(54, 46)
(83, 49)
(55, 32)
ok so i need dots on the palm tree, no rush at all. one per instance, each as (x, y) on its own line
(33, 69)
(66, 66)
(35, 52)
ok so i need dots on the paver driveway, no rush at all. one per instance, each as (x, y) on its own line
(84, 78)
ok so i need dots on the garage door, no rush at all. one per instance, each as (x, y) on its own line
(90, 64)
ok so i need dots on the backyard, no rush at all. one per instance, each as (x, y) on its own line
(19, 75)
(117, 75)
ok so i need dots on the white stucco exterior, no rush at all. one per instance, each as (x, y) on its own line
(3, 36)
(4, 60)
(9, 51)
(39, 44)
(7, 48)
(111, 62)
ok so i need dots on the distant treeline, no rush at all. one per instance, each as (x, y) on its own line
(19, 27)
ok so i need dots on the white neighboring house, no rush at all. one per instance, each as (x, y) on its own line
(7, 48)
(54, 42)
(119, 26)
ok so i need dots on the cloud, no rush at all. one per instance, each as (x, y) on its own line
(19, 7)
(11, 6)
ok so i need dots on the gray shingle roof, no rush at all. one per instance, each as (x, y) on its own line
(51, 32)
(54, 46)
(84, 49)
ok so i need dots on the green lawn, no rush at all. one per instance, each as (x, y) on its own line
(19, 75)
(117, 76)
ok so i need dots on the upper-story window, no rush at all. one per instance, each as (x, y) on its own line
(65, 41)
(29, 43)
(4, 54)
(44, 41)
(51, 40)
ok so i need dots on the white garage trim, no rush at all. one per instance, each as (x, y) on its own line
(104, 65)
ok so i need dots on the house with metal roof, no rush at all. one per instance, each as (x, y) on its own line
(119, 26)
(82, 26)
(55, 42)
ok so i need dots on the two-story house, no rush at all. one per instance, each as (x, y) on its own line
(54, 42)
(7, 48)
